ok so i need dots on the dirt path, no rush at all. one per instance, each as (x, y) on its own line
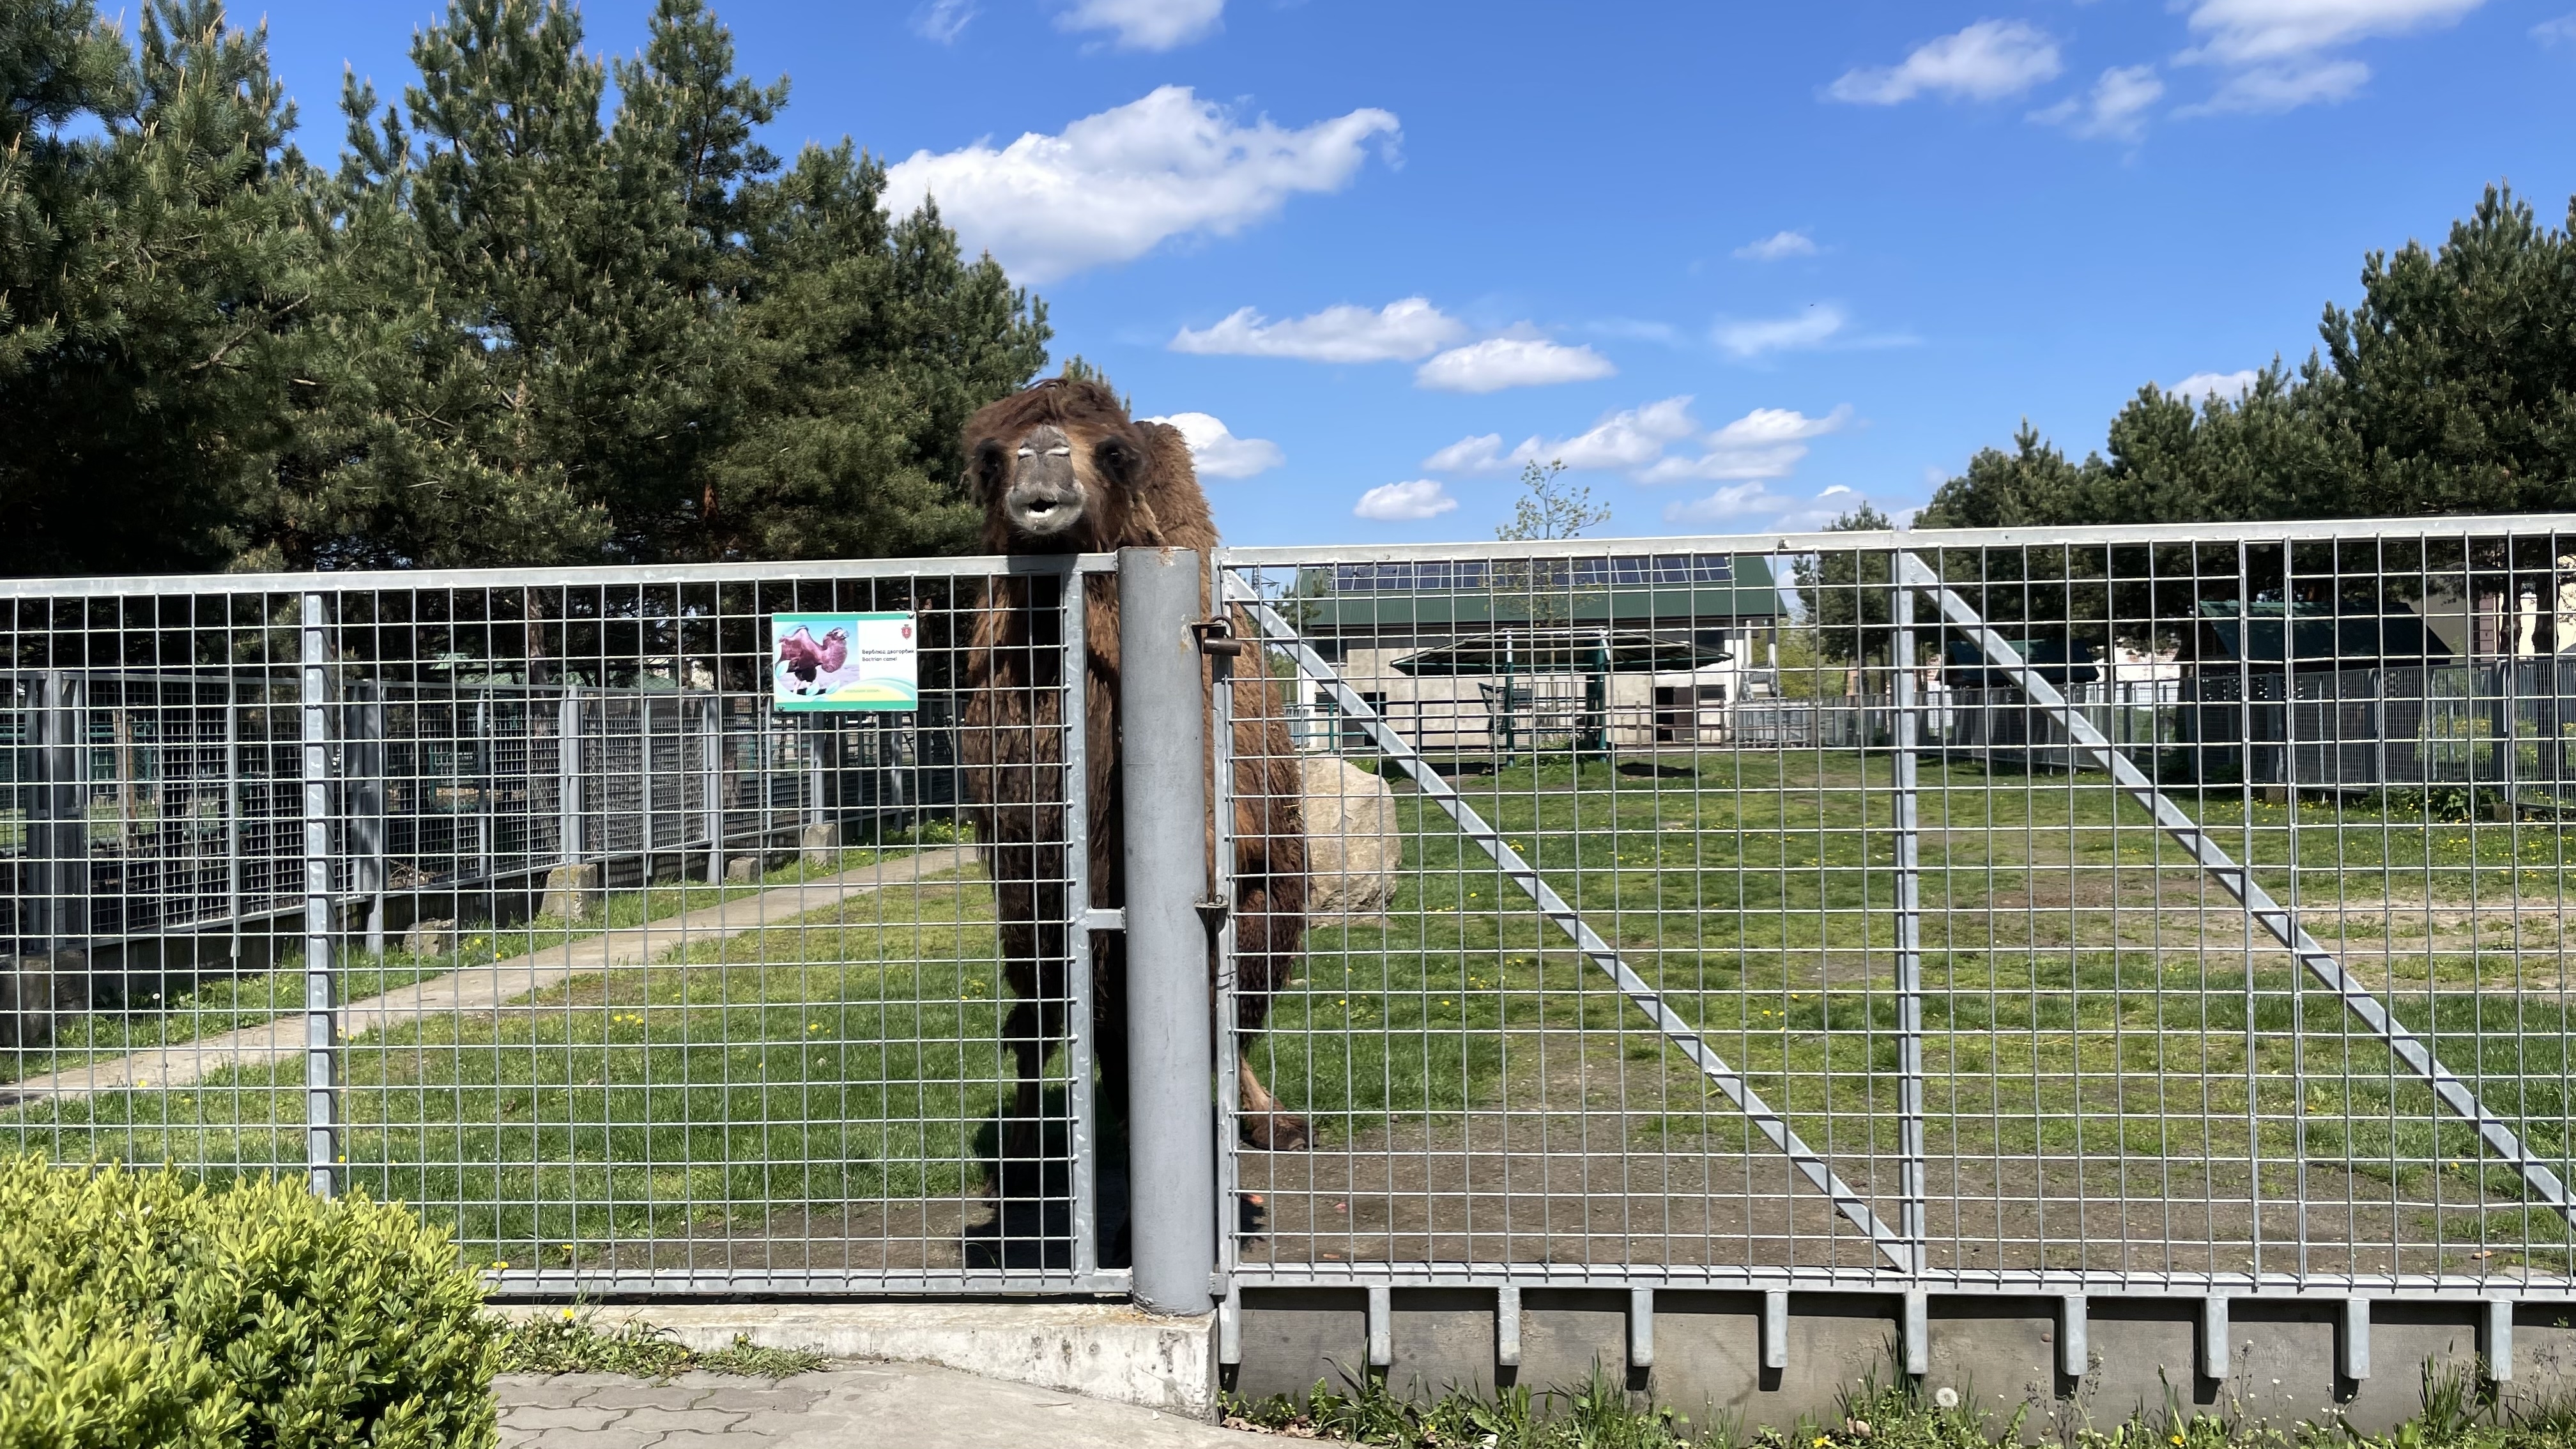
(478, 988)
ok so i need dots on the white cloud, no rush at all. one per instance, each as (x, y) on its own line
(1987, 61)
(1115, 185)
(943, 20)
(1146, 24)
(1404, 502)
(1482, 454)
(2561, 31)
(1218, 453)
(1400, 331)
(1778, 246)
(2255, 32)
(2285, 87)
(1625, 441)
(1764, 443)
(2276, 49)
(2116, 108)
(1500, 362)
(1725, 503)
(1808, 329)
(2220, 384)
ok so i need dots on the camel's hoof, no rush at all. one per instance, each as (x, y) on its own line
(1278, 1132)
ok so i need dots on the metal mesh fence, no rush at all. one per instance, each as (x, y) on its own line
(2161, 907)
(564, 909)
(2115, 908)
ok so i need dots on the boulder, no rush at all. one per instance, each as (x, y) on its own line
(37, 992)
(821, 844)
(1354, 852)
(572, 892)
(431, 938)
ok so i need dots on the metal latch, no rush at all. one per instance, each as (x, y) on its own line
(1213, 910)
(1216, 636)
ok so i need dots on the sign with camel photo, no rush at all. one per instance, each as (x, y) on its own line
(844, 661)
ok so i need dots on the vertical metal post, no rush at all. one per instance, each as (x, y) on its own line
(1171, 1116)
(711, 782)
(367, 805)
(568, 802)
(58, 839)
(644, 753)
(1913, 1216)
(233, 809)
(321, 1118)
(1081, 1101)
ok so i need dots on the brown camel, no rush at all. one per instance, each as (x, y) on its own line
(1061, 468)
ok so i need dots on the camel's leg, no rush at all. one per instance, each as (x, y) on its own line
(1265, 1125)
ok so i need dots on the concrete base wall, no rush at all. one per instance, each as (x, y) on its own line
(1997, 1354)
(1101, 1350)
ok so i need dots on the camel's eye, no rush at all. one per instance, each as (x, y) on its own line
(1059, 452)
(1028, 452)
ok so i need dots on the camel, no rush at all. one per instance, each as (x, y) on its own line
(1060, 468)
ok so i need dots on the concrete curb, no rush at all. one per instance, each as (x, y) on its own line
(1099, 1350)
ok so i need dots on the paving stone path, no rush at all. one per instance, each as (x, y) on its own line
(901, 1406)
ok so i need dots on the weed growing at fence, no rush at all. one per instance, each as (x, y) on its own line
(2458, 1413)
(569, 1341)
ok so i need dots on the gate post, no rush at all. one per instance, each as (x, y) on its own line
(1171, 1117)
(321, 1100)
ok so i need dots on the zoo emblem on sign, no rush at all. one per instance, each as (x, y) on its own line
(844, 662)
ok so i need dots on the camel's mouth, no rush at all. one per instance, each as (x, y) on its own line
(1043, 513)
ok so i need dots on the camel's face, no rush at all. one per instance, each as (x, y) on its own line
(1045, 493)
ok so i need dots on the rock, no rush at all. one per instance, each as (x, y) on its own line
(742, 870)
(36, 992)
(1354, 853)
(821, 844)
(572, 892)
(431, 938)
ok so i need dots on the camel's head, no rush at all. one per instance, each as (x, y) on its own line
(1059, 478)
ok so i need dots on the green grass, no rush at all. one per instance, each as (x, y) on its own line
(2073, 1004)
(569, 1341)
(1882, 1410)
(218, 1004)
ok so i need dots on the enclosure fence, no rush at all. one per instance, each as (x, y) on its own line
(2171, 910)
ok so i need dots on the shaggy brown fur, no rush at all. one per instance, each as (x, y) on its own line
(1135, 487)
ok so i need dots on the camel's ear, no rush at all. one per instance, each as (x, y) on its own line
(986, 471)
(1119, 461)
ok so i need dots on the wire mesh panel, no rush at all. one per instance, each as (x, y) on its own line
(632, 924)
(2154, 907)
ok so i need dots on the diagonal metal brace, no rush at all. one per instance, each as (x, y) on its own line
(1600, 953)
(2238, 881)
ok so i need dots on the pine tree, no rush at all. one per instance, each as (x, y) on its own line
(160, 275)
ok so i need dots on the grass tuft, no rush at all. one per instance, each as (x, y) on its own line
(568, 1342)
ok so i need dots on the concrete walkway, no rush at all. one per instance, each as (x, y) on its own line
(480, 988)
(907, 1406)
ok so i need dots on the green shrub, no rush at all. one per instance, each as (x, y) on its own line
(141, 1308)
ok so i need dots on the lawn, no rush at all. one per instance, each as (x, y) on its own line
(2087, 995)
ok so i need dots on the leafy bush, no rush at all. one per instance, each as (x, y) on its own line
(141, 1308)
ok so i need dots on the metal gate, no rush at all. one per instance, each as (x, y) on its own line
(2168, 910)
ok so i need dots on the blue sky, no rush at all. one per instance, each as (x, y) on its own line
(1724, 259)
